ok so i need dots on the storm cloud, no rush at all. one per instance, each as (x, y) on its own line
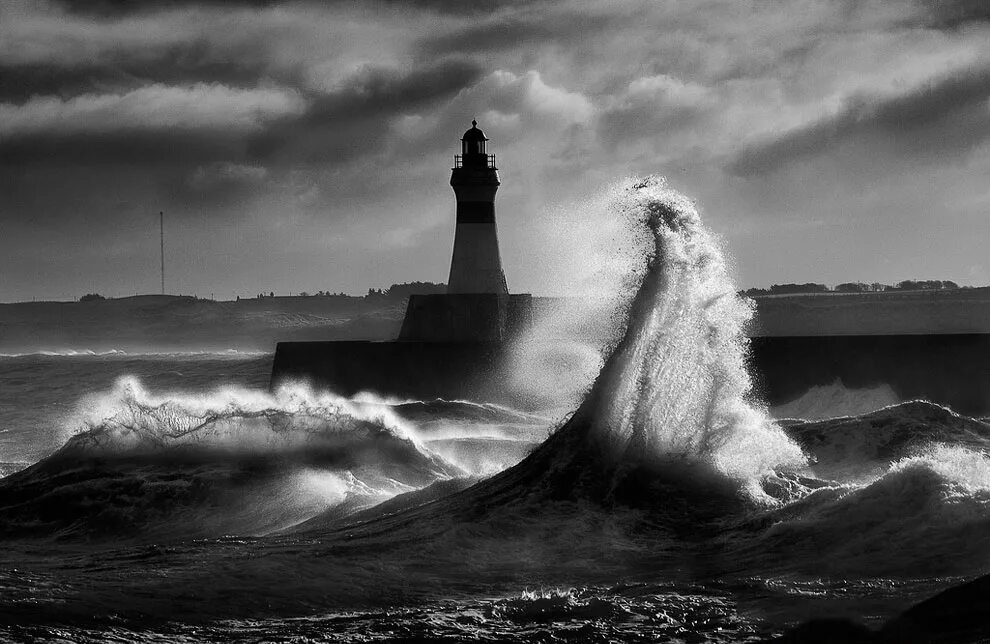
(287, 140)
(941, 119)
(956, 13)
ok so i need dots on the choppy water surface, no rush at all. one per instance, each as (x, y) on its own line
(173, 498)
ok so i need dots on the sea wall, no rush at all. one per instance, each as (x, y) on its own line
(964, 310)
(953, 370)
(418, 370)
(466, 317)
(949, 369)
(170, 323)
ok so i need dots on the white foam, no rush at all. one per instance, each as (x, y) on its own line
(129, 415)
(966, 468)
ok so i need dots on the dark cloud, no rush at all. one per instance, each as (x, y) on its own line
(153, 125)
(334, 128)
(117, 7)
(943, 118)
(353, 122)
(153, 149)
(466, 8)
(48, 196)
(954, 13)
(511, 31)
(376, 91)
(213, 168)
(21, 82)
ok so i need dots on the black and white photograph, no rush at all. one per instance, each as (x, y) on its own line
(497, 321)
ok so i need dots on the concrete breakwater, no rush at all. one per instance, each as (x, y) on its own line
(169, 323)
(948, 369)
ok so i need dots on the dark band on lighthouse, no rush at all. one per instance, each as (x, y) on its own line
(475, 212)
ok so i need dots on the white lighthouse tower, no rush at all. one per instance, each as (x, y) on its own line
(477, 306)
(476, 266)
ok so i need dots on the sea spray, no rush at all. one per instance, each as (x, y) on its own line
(596, 264)
(677, 383)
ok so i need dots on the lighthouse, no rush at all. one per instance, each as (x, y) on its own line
(477, 306)
(476, 266)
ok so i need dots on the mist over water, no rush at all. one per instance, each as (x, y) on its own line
(599, 253)
(828, 401)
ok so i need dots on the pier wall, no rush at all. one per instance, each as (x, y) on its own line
(950, 369)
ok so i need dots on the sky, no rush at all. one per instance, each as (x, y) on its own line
(306, 146)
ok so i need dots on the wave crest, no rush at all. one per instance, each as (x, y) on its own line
(964, 472)
(677, 383)
(233, 461)
(129, 417)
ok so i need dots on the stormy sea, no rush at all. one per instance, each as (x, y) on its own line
(654, 497)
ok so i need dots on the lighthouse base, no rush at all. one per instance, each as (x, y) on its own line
(469, 317)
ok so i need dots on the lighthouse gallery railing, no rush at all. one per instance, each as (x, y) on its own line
(489, 161)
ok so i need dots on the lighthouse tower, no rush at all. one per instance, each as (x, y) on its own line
(477, 306)
(476, 266)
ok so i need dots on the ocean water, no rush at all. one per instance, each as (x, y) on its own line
(173, 498)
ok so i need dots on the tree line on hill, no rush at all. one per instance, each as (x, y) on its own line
(399, 292)
(852, 287)
(404, 290)
(395, 292)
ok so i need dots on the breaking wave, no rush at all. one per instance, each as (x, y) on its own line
(232, 461)
(131, 418)
(857, 447)
(924, 516)
(677, 384)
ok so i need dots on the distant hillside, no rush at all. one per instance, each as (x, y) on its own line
(177, 323)
(173, 323)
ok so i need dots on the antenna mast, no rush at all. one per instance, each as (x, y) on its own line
(161, 237)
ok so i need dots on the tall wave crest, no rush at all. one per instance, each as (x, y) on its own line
(677, 383)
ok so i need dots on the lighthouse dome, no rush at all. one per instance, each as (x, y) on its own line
(474, 134)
